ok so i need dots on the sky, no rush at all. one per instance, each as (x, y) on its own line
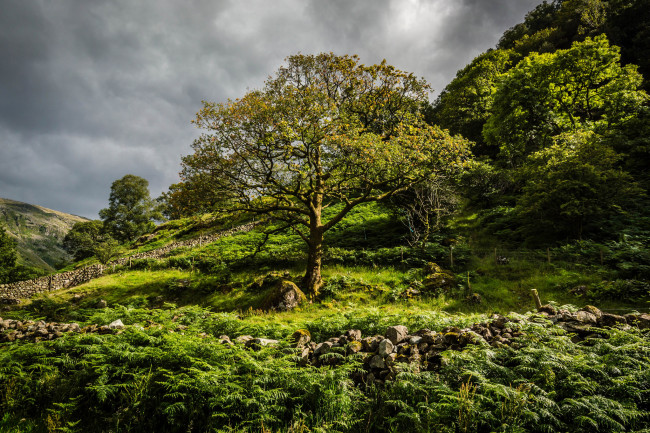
(92, 90)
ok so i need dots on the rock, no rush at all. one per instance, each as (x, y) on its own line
(451, 338)
(353, 334)
(301, 338)
(608, 319)
(474, 298)
(586, 317)
(437, 279)
(593, 310)
(397, 334)
(428, 337)
(581, 329)
(284, 296)
(415, 340)
(370, 344)
(385, 347)
(224, 339)
(579, 290)
(377, 361)
(323, 348)
(644, 321)
(101, 304)
(548, 309)
(390, 359)
(262, 342)
(304, 357)
(499, 321)
(355, 347)
(243, 339)
(631, 319)
(116, 324)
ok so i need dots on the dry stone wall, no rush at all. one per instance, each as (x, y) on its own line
(13, 292)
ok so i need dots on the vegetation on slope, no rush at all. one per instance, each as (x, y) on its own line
(39, 233)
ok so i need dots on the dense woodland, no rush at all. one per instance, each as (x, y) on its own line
(529, 171)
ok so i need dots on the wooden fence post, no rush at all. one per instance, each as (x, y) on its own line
(496, 260)
(451, 255)
(538, 303)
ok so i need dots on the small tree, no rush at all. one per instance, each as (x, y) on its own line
(106, 250)
(7, 257)
(325, 130)
(426, 207)
(131, 210)
(82, 238)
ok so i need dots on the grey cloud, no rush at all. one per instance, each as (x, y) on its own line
(91, 90)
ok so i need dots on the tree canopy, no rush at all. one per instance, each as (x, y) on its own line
(83, 237)
(581, 88)
(324, 130)
(7, 256)
(131, 211)
(464, 105)
(571, 186)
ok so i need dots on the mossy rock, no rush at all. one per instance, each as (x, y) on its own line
(267, 281)
(437, 280)
(284, 296)
(301, 338)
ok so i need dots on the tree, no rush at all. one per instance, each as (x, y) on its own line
(82, 238)
(325, 130)
(8, 257)
(464, 105)
(106, 250)
(571, 186)
(582, 88)
(193, 195)
(131, 210)
(426, 207)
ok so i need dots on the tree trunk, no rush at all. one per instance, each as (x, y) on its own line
(313, 280)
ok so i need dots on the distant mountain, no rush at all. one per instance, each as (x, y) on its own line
(38, 232)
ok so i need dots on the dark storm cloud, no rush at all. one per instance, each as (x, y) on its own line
(92, 90)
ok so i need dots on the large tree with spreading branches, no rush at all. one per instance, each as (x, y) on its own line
(325, 130)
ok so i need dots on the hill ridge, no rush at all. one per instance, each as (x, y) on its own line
(38, 231)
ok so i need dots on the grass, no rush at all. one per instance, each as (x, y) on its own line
(169, 373)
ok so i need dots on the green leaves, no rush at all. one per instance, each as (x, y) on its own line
(582, 88)
(325, 130)
(571, 185)
(131, 211)
(7, 256)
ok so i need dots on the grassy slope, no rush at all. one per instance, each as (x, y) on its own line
(168, 372)
(368, 264)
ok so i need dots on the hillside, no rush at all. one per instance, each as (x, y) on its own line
(38, 232)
